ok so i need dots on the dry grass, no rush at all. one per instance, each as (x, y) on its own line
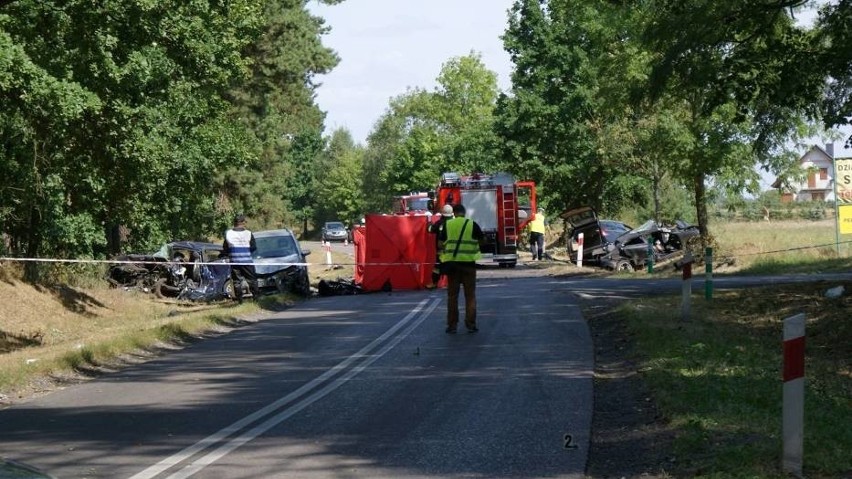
(53, 330)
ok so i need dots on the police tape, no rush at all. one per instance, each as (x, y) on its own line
(172, 263)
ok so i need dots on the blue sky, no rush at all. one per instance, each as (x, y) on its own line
(389, 46)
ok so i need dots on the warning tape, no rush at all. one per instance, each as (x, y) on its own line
(164, 262)
(187, 263)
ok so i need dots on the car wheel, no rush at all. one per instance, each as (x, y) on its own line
(303, 287)
(228, 289)
(623, 265)
(163, 290)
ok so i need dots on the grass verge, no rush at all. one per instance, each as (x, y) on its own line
(717, 378)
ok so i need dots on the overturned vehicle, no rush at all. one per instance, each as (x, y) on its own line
(632, 250)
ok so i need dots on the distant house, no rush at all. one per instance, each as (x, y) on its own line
(819, 185)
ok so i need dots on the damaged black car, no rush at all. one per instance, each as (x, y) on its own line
(633, 249)
(185, 270)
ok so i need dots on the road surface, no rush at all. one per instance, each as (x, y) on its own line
(351, 386)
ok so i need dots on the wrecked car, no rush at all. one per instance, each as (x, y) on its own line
(280, 264)
(597, 233)
(630, 251)
(190, 270)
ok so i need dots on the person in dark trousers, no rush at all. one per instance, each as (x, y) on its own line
(238, 246)
(436, 228)
(537, 229)
(460, 238)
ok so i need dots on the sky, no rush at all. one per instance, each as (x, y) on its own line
(387, 47)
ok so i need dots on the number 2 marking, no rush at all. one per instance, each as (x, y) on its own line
(568, 442)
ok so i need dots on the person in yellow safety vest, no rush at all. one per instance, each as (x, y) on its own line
(435, 228)
(460, 238)
(537, 229)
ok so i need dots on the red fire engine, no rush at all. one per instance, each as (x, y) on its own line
(396, 252)
(499, 204)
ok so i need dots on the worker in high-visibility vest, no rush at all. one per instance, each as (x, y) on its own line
(460, 238)
(537, 229)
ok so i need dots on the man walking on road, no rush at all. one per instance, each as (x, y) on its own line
(460, 237)
(238, 246)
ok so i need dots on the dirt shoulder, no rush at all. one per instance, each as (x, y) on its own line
(629, 438)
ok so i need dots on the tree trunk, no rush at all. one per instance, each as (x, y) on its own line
(32, 268)
(656, 186)
(701, 205)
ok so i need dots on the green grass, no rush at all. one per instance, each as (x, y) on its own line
(717, 379)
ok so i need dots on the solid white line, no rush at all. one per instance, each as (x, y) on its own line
(238, 441)
(214, 438)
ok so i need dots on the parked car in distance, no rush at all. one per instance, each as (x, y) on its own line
(630, 251)
(335, 231)
(279, 261)
(597, 233)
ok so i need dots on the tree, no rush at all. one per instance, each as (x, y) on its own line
(742, 68)
(340, 191)
(835, 39)
(426, 133)
(276, 103)
(145, 83)
(551, 124)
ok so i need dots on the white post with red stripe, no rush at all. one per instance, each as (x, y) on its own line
(793, 429)
(327, 247)
(580, 250)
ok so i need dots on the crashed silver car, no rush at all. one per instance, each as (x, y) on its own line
(632, 250)
(279, 261)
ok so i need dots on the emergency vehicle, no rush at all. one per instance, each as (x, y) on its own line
(413, 204)
(500, 205)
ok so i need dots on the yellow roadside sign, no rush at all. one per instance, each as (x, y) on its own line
(844, 219)
(843, 176)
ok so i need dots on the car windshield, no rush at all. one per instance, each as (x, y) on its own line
(646, 227)
(274, 247)
(334, 226)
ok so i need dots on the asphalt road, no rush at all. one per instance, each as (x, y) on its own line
(351, 386)
(365, 386)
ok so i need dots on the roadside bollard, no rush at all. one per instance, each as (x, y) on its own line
(327, 247)
(793, 415)
(580, 250)
(708, 273)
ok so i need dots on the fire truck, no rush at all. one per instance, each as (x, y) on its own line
(501, 206)
(416, 203)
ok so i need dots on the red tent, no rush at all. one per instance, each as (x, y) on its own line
(396, 250)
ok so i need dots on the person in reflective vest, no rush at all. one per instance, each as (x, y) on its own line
(460, 238)
(238, 245)
(537, 229)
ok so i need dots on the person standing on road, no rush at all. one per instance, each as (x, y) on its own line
(537, 229)
(436, 228)
(460, 239)
(238, 246)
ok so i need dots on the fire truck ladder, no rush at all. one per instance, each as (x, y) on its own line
(510, 233)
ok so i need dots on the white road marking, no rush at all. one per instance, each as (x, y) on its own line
(220, 435)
